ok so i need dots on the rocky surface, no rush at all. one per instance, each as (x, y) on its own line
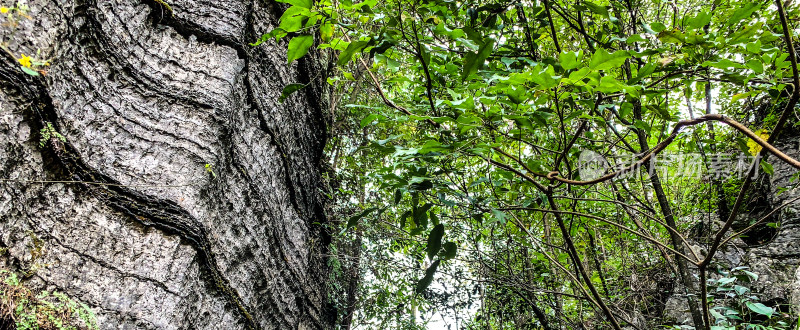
(775, 258)
(182, 195)
(778, 261)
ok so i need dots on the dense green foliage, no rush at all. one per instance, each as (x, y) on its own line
(458, 133)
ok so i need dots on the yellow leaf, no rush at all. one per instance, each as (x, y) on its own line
(755, 148)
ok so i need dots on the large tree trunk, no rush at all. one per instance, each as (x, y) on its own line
(132, 220)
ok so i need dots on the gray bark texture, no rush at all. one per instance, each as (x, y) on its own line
(123, 214)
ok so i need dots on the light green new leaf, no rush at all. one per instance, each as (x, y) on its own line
(29, 71)
(546, 78)
(602, 60)
(299, 46)
(609, 85)
(570, 60)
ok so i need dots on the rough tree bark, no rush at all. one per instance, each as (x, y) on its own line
(131, 220)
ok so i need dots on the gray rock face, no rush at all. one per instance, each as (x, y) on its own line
(182, 195)
(778, 262)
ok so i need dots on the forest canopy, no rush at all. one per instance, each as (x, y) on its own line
(552, 164)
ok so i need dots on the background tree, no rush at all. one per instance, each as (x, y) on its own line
(468, 154)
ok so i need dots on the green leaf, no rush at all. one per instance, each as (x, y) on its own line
(348, 53)
(635, 38)
(674, 36)
(546, 78)
(516, 94)
(435, 241)
(450, 249)
(353, 221)
(428, 279)
(299, 3)
(369, 119)
(29, 71)
(326, 31)
(699, 20)
(740, 290)
(767, 167)
(723, 64)
(288, 90)
(657, 27)
(421, 215)
(299, 46)
(292, 19)
(609, 85)
(756, 66)
(276, 33)
(744, 35)
(473, 61)
(716, 314)
(382, 47)
(398, 195)
(642, 126)
(737, 97)
(754, 47)
(760, 308)
(499, 215)
(725, 281)
(753, 276)
(741, 13)
(645, 71)
(570, 60)
(597, 9)
(602, 60)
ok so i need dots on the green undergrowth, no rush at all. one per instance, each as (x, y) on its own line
(23, 308)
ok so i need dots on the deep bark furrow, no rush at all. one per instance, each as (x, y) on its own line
(305, 73)
(145, 98)
(147, 210)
